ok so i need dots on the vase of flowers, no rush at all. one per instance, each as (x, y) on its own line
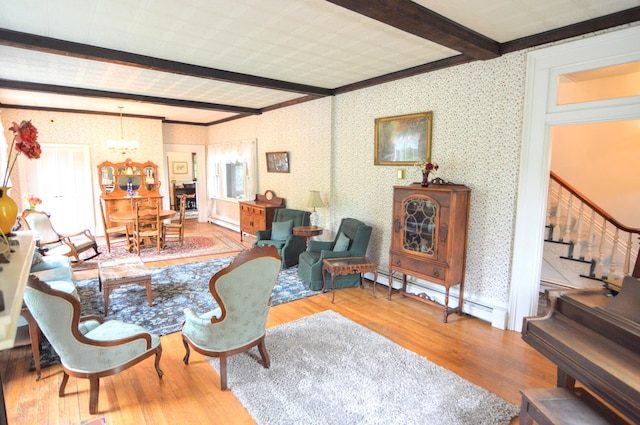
(32, 201)
(426, 167)
(25, 141)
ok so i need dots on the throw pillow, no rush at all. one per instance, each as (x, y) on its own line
(342, 244)
(281, 230)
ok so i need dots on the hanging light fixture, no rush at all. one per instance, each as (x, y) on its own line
(123, 146)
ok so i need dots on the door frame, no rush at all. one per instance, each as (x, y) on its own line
(541, 113)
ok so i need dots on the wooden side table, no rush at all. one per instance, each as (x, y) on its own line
(345, 266)
(307, 231)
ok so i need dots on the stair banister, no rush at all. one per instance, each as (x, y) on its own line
(607, 218)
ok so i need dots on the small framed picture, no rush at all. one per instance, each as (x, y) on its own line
(179, 167)
(278, 162)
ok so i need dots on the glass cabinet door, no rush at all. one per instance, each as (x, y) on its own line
(420, 216)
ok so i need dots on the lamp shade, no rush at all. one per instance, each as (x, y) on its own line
(313, 200)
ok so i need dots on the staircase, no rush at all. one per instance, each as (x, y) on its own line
(585, 247)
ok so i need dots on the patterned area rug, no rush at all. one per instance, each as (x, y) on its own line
(173, 288)
(327, 369)
(215, 242)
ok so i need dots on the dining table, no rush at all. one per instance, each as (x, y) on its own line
(128, 217)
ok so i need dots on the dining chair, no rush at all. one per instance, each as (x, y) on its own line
(114, 233)
(176, 230)
(50, 242)
(147, 225)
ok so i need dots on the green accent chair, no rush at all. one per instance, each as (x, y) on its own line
(88, 347)
(243, 292)
(281, 235)
(352, 240)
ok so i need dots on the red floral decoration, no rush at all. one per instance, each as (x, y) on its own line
(25, 140)
(429, 167)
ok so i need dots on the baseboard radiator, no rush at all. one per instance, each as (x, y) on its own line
(473, 306)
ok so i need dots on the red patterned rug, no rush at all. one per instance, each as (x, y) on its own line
(215, 242)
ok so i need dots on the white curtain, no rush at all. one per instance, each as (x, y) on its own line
(220, 155)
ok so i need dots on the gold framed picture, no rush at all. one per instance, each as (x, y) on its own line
(179, 167)
(403, 139)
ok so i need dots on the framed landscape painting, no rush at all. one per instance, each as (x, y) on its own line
(403, 139)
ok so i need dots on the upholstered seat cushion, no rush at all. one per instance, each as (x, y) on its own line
(114, 329)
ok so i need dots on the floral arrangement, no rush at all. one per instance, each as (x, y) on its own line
(32, 200)
(427, 167)
(25, 140)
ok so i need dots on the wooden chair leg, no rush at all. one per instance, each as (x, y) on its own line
(63, 384)
(94, 388)
(185, 359)
(223, 372)
(157, 364)
(266, 361)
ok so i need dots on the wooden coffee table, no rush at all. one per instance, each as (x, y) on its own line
(124, 271)
(345, 266)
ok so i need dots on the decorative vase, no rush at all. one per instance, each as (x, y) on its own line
(425, 180)
(8, 211)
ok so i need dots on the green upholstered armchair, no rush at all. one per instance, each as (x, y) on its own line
(87, 347)
(243, 292)
(351, 240)
(280, 235)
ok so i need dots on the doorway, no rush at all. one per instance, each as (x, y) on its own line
(181, 174)
(62, 179)
(545, 68)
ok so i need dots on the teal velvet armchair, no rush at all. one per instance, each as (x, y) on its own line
(352, 240)
(281, 236)
(243, 292)
(88, 347)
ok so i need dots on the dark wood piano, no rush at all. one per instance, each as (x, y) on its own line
(594, 338)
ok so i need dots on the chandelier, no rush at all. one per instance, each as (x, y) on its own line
(123, 146)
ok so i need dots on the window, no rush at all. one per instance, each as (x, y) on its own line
(234, 180)
(234, 168)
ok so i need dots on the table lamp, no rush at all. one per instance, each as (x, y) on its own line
(314, 201)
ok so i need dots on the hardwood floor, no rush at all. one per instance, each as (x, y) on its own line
(493, 359)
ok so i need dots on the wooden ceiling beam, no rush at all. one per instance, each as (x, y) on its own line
(84, 51)
(413, 18)
(76, 91)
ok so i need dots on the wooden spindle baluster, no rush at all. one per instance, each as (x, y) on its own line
(627, 257)
(556, 221)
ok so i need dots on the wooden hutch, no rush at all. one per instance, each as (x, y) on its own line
(429, 238)
(122, 182)
(258, 214)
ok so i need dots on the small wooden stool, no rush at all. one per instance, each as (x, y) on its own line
(558, 406)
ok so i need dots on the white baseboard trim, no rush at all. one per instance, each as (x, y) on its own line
(226, 224)
(482, 309)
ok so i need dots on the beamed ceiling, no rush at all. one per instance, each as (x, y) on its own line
(206, 62)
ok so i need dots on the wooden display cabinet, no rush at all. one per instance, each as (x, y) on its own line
(429, 238)
(123, 182)
(258, 214)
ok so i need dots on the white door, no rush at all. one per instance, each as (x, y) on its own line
(61, 177)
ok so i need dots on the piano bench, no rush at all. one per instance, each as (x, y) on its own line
(556, 406)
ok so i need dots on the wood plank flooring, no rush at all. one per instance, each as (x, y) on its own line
(493, 359)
